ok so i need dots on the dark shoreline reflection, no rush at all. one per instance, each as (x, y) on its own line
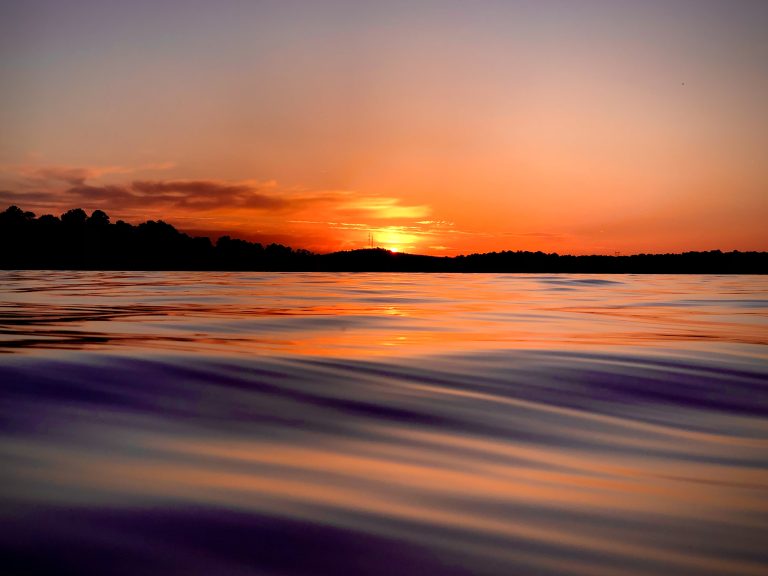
(513, 431)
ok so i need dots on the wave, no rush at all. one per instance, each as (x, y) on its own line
(500, 462)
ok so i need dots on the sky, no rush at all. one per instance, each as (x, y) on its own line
(438, 127)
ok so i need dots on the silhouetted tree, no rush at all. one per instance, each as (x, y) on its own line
(98, 218)
(13, 216)
(74, 217)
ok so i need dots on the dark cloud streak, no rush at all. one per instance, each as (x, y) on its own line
(195, 195)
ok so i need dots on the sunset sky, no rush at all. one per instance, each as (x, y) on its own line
(442, 127)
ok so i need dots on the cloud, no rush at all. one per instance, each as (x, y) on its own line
(202, 187)
(28, 175)
(61, 187)
(23, 199)
(73, 176)
(437, 223)
(108, 195)
(384, 207)
(187, 195)
(208, 194)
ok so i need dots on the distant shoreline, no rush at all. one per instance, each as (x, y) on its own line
(77, 241)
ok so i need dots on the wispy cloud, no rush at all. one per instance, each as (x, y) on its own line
(208, 194)
(182, 195)
(33, 175)
(437, 223)
(387, 208)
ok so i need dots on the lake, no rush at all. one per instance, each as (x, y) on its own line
(267, 423)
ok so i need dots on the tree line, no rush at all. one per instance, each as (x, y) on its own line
(77, 241)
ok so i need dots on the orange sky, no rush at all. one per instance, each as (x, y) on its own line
(440, 127)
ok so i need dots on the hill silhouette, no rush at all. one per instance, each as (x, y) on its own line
(77, 241)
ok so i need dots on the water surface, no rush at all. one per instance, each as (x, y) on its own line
(243, 423)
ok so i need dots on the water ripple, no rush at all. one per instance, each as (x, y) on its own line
(277, 424)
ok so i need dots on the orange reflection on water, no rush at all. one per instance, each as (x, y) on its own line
(372, 314)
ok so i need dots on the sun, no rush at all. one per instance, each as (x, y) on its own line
(394, 240)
